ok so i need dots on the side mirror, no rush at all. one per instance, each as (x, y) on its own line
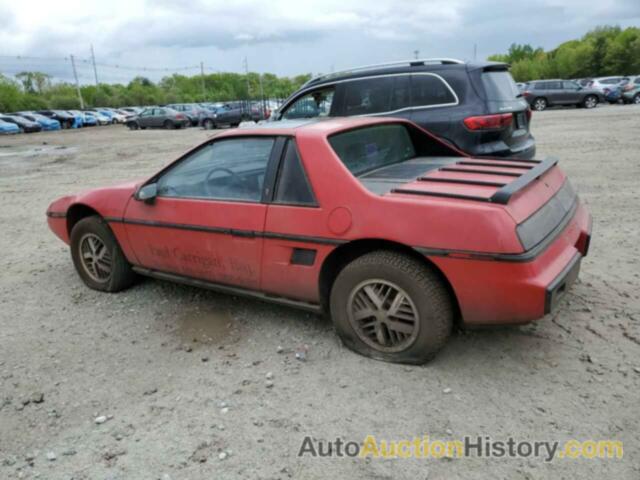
(148, 193)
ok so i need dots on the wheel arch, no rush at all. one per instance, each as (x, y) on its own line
(77, 212)
(348, 252)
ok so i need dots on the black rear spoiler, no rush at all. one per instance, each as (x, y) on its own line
(505, 193)
(535, 169)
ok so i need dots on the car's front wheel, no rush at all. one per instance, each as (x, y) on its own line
(208, 124)
(133, 126)
(391, 307)
(97, 256)
(540, 104)
(591, 101)
(636, 98)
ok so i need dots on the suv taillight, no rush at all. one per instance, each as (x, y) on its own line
(180, 116)
(489, 122)
(529, 113)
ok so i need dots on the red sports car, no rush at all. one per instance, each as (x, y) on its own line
(394, 233)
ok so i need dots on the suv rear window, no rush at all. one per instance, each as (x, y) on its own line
(499, 86)
(366, 149)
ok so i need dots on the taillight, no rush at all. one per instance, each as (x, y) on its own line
(180, 116)
(526, 93)
(529, 113)
(489, 122)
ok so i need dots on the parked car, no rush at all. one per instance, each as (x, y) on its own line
(7, 128)
(613, 95)
(66, 120)
(226, 114)
(601, 83)
(321, 215)
(159, 117)
(631, 91)
(473, 106)
(192, 111)
(23, 124)
(46, 123)
(78, 118)
(549, 93)
(100, 119)
(87, 121)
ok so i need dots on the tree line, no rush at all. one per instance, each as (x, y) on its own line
(37, 91)
(606, 50)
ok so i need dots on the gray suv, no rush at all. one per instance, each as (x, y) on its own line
(548, 93)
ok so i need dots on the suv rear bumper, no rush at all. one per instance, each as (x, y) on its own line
(499, 292)
(526, 151)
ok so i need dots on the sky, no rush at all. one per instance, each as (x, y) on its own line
(285, 37)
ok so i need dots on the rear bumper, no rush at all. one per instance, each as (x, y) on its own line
(499, 292)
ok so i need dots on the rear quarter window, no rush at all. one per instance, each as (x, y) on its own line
(429, 90)
(365, 149)
(499, 86)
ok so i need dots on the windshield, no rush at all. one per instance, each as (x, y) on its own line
(499, 86)
(366, 149)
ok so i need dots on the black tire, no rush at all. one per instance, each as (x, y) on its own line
(591, 101)
(427, 296)
(120, 276)
(539, 104)
(133, 126)
(636, 98)
(235, 125)
(168, 124)
(208, 124)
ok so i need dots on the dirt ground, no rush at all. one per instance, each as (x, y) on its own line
(182, 377)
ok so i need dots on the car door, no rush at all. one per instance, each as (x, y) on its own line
(293, 247)
(554, 93)
(144, 119)
(571, 93)
(207, 219)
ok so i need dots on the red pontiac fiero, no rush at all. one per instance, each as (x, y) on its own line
(394, 233)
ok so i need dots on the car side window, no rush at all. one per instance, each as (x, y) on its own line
(570, 85)
(292, 187)
(314, 104)
(371, 95)
(428, 90)
(554, 85)
(231, 169)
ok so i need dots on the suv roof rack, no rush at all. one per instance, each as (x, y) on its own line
(412, 63)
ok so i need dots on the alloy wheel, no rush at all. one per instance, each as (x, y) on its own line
(590, 102)
(95, 257)
(539, 104)
(383, 315)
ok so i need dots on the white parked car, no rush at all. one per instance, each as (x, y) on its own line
(601, 83)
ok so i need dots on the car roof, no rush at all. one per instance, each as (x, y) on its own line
(405, 66)
(322, 127)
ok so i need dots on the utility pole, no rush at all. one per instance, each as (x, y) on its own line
(416, 54)
(246, 74)
(475, 51)
(93, 59)
(264, 106)
(202, 76)
(75, 75)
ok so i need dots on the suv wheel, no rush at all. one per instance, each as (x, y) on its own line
(389, 306)
(539, 104)
(636, 98)
(208, 124)
(133, 126)
(590, 101)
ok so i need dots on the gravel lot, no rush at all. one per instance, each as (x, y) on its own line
(182, 375)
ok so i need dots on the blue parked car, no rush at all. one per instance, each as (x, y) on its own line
(87, 120)
(7, 128)
(45, 122)
(613, 94)
(105, 113)
(78, 118)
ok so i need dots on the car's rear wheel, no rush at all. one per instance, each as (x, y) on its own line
(591, 101)
(636, 98)
(97, 256)
(236, 124)
(389, 306)
(540, 104)
(168, 124)
(133, 126)
(208, 124)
